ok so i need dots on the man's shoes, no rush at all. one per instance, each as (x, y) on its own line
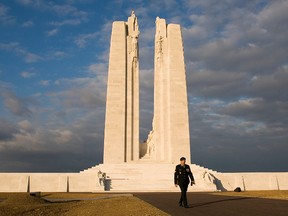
(180, 205)
(186, 206)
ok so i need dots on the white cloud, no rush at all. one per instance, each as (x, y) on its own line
(31, 57)
(27, 74)
(25, 125)
(67, 22)
(62, 136)
(9, 46)
(28, 23)
(82, 40)
(52, 32)
(98, 69)
(25, 2)
(59, 54)
(5, 18)
(72, 15)
(44, 82)
(80, 93)
(15, 47)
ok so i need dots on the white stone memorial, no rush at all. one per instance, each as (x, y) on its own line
(169, 139)
(124, 167)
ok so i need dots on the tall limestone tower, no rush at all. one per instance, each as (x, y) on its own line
(121, 138)
(170, 136)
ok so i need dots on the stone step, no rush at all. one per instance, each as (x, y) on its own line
(146, 176)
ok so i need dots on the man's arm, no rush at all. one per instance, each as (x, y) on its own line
(191, 176)
(175, 176)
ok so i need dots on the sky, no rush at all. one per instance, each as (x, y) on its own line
(53, 73)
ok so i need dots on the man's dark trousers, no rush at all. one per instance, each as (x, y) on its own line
(183, 198)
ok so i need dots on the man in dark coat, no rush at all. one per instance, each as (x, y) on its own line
(181, 178)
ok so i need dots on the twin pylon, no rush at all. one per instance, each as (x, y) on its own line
(169, 138)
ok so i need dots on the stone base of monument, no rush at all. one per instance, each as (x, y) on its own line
(49, 182)
(142, 177)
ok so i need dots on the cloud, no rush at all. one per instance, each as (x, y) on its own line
(81, 93)
(28, 23)
(271, 86)
(15, 47)
(75, 94)
(67, 22)
(16, 105)
(60, 147)
(68, 14)
(59, 54)
(26, 2)
(58, 130)
(257, 109)
(146, 101)
(52, 32)
(9, 46)
(25, 126)
(82, 40)
(5, 18)
(235, 131)
(100, 36)
(7, 130)
(31, 57)
(216, 84)
(68, 10)
(223, 42)
(27, 74)
(44, 82)
(98, 69)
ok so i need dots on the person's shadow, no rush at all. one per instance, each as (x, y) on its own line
(107, 184)
(218, 201)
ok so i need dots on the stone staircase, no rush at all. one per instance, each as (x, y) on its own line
(150, 177)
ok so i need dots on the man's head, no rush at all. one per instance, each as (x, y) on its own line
(182, 160)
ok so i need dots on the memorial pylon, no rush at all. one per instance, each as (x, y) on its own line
(170, 137)
(121, 135)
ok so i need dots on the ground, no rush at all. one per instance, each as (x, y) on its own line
(24, 204)
(283, 195)
(128, 204)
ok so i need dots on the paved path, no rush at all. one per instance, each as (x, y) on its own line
(214, 205)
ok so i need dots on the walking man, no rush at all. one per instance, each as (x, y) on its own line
(181, 178)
